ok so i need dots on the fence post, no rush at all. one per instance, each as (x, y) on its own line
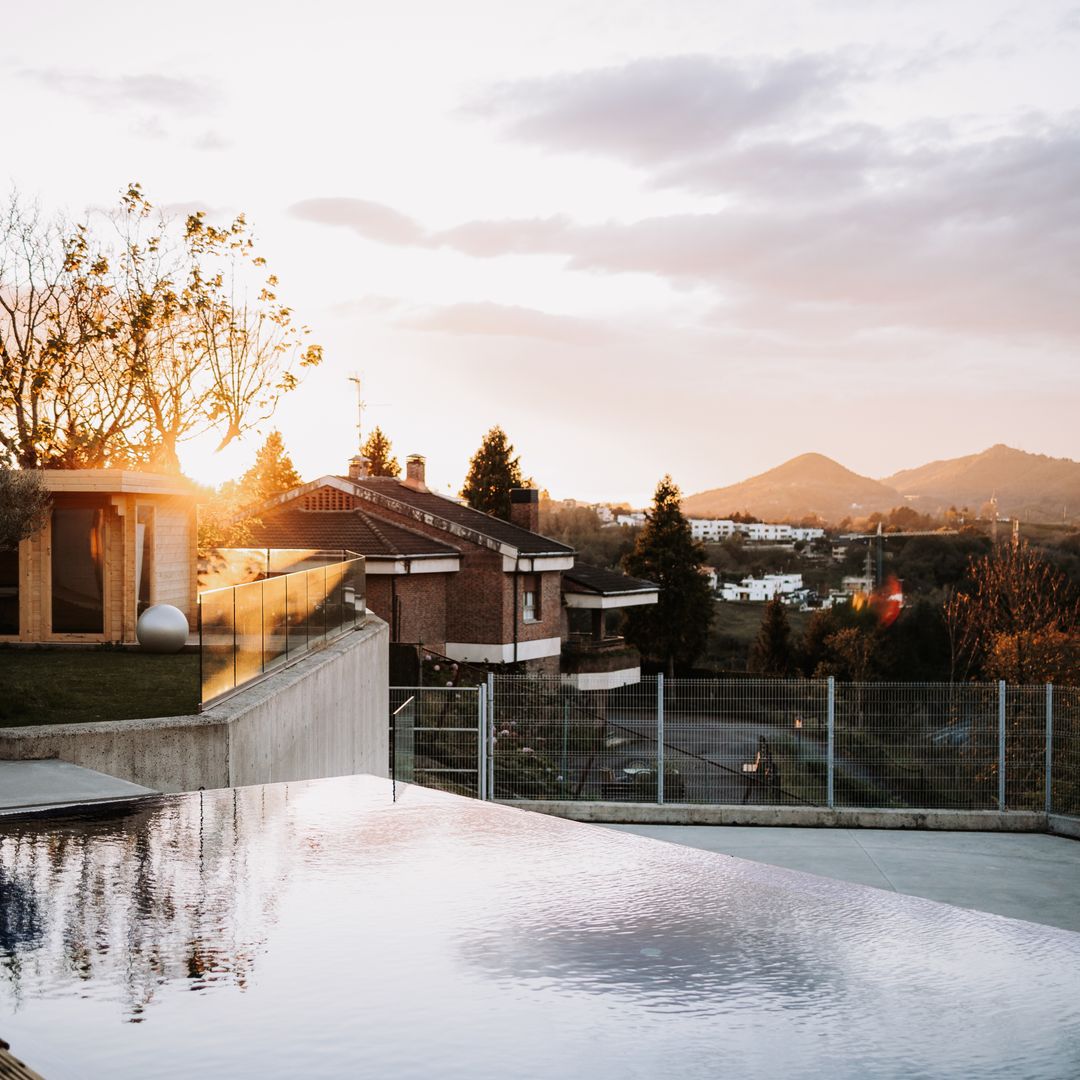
(830, 755)
(1001, 744)
(481, 741)
(489, 735)
(1049, 744)
(660, 738)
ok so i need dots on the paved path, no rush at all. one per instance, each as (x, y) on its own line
(35, 784)
(1020, 875)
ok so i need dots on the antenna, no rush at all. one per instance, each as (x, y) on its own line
(361, 405)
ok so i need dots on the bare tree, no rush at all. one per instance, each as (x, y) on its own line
(1016, 616)
(118, 346)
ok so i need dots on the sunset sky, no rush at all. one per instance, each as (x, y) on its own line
(686, 237)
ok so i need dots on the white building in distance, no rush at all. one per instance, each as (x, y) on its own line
(763, 588)
(718, 529)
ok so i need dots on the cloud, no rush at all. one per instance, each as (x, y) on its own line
(111, 91)
(831, 227)
(211, 140)
(501, 320)
(657, 110)
(372, 220)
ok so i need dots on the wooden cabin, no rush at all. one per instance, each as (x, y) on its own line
(116, 542)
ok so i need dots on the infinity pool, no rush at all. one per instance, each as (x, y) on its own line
(320, 930)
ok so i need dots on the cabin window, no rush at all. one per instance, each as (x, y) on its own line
(78, 563)
(144, 554)
(9, 591)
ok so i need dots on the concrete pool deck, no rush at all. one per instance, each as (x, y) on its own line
(1028, 876)
(38, 785)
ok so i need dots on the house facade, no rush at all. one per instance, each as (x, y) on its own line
(115, 542)
(462, 583)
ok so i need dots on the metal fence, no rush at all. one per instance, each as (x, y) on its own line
(248, 631)
(761, 741)
(439, 733)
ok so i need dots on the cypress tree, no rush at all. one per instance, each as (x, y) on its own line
(772, 653)
(379, 452)
(493, 471)
(676, 628)
(272, 473)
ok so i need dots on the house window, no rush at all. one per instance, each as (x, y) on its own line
(530, 599)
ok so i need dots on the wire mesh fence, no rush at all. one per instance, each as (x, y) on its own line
(445, 731)
(916, 745)
(773, 742)
(1065, 751)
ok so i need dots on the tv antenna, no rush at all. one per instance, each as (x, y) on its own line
(361, 405)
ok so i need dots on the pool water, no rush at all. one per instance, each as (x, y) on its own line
(321, 930)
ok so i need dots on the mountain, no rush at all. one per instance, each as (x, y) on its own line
(805, 485)
(1033, 487)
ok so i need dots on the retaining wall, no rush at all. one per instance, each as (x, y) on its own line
(323, 716)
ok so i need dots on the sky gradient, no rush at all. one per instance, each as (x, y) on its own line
(696, 238)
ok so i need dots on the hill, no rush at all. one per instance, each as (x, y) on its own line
(1033, 487)
(810, 484)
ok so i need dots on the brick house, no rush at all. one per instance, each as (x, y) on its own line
(463, 583)
(115, 542)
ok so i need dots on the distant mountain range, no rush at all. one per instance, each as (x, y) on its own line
(1032, 487)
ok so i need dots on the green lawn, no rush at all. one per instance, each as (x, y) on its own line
(734, 628)
(59, 686)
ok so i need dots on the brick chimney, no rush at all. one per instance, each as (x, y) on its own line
(414, 473)
(358, 467)
(525, 508)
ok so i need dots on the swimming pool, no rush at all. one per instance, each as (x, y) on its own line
(319, 930)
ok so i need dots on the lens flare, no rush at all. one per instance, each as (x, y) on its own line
(887, 600)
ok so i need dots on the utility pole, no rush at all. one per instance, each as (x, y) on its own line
(880, 557)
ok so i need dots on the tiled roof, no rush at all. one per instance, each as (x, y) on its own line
(595, 579)
(354, 530)
(528, 543)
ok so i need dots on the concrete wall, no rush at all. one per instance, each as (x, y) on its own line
(325, 715)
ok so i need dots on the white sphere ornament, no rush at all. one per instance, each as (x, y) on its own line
(162, 629)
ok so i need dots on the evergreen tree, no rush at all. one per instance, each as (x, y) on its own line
(380, 455)
(272, 473)
(771, 653)
(676, 628)
(493, 471)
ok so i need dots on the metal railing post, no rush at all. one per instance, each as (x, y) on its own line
(489, 735)
(1001, 744)
(830, 748)
(1049, 745)
(660, 738)
(481, 741)
(234, 639)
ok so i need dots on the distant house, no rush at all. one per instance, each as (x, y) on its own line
(116, 541)
(764, 588)
(462, 583)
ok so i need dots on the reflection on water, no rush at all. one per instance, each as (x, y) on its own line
(174, 889)
(331, 932)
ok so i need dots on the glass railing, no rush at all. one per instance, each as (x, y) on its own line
(221, 567)
(248, 631)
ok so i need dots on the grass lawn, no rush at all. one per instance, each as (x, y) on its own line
(60, 686)
(734, 628)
